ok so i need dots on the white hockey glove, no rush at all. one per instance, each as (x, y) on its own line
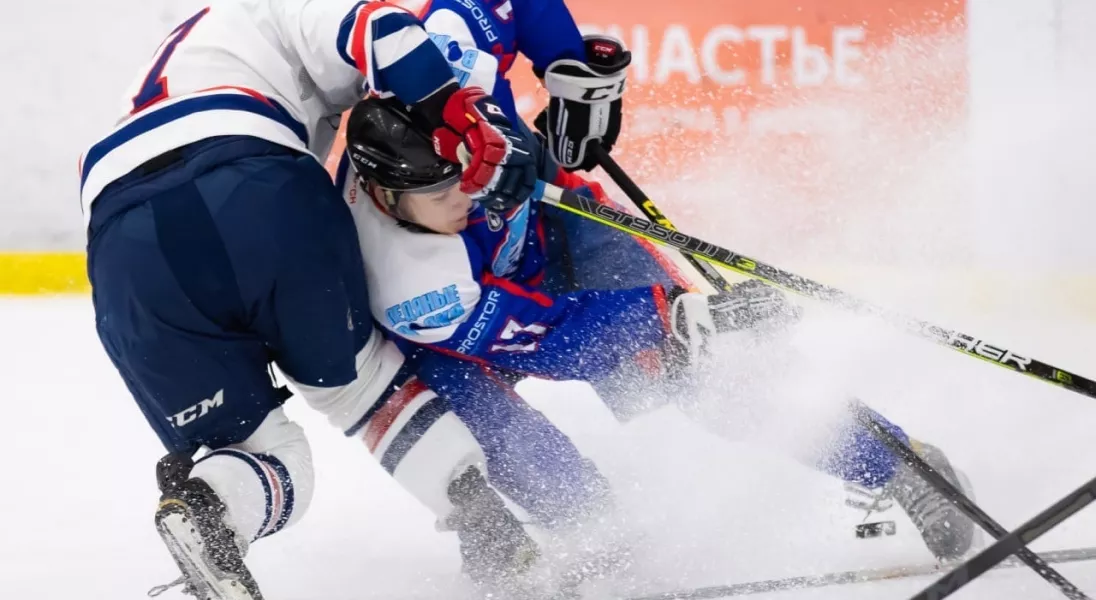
(694, 317)
(585, 104)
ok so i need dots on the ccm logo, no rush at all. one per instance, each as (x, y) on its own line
(604, 92)
(604, 48)
(190, 414)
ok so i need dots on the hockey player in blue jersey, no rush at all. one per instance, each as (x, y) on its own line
(585, 78)
(488, 287)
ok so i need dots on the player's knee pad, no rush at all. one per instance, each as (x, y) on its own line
(266, 481)
(420, 442)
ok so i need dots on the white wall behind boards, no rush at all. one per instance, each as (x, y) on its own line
(66, 64)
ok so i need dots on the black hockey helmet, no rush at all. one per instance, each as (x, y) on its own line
(393, 150)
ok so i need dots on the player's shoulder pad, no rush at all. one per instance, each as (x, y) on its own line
(421, 285)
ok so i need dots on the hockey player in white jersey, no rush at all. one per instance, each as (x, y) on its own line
(217, 244)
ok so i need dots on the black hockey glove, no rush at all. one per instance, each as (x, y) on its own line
(695, 317)
(585, 104)
(751, 304)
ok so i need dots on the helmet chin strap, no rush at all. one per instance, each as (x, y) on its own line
(388, 201)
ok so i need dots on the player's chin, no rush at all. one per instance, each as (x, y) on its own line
(456, 225)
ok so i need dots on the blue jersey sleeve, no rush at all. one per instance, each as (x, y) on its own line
(545, 31)
(478, 43)
(584, 335)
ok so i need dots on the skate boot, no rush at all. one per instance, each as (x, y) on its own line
(494, 546)
(948, 533)
(191, 521)
(594, 552)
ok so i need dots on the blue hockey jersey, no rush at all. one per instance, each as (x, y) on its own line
(478, 295)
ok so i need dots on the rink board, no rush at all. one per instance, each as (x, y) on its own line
(65, 273)
(29, 273)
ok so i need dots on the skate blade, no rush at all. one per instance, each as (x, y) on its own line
(186, 546)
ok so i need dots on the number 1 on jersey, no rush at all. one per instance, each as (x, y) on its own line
(154, 88)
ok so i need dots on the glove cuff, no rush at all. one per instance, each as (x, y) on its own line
(606, 54)
(599, 79)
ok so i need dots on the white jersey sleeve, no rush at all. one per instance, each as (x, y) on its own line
(352, 47)
(421, 286)
(279, 70)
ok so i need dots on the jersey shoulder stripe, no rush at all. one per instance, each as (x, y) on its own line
(249, 101)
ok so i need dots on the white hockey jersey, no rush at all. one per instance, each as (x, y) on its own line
(280, 70)
(430, 276)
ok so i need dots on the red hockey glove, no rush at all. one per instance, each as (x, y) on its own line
(499, 169)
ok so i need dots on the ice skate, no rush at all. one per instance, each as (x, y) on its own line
(597, 551)
(495, 549)
(191, 521)
(948, 533)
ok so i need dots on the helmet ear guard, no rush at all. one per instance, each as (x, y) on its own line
(387, 200)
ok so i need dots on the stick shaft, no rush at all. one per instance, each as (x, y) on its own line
(962, 501)
(970, 345)
(847, 577)
(1011, 543)
(647, 206)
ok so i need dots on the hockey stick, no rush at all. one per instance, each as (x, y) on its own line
(1014, 542)
(934, 479)
(850, 577)
(960, 500)
(645, 204)
(863, 415)
(708, 252)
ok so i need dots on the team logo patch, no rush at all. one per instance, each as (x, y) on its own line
(434, 309)
(508, 253)
(494, 222)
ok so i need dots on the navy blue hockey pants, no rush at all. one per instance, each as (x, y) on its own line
(212, 261)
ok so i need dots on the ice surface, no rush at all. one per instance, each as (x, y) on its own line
(78, 486)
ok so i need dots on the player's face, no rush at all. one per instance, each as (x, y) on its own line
(443, 211)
